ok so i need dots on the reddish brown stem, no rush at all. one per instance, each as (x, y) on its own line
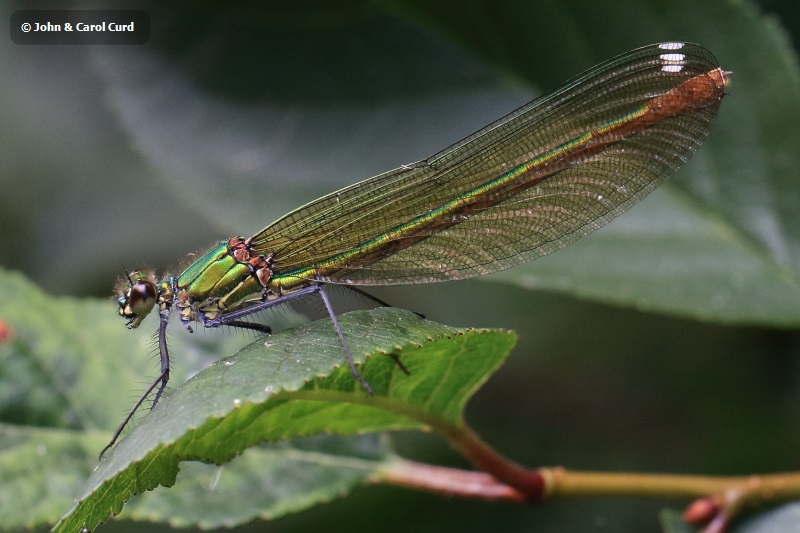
(447, 481)
(485, 458)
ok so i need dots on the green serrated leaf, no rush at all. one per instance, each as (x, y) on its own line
(293, 384)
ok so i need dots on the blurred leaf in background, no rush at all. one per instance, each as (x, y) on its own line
(667, 341)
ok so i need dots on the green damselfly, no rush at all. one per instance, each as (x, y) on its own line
(524, 186)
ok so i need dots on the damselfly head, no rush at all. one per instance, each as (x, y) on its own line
(137, 294)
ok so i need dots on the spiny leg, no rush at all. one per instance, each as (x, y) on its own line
(164, 352)
(162, 379)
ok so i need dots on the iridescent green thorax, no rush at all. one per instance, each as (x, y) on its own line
(222, 279)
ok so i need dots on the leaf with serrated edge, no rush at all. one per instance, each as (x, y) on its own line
(293, 384)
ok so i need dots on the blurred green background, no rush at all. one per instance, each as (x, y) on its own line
(227, 118)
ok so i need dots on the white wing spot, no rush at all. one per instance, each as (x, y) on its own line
(672, 62)
(672, 58)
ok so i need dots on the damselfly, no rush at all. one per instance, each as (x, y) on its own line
(522, 187)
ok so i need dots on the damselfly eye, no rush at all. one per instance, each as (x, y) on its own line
(142, 296)
(137, 302)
